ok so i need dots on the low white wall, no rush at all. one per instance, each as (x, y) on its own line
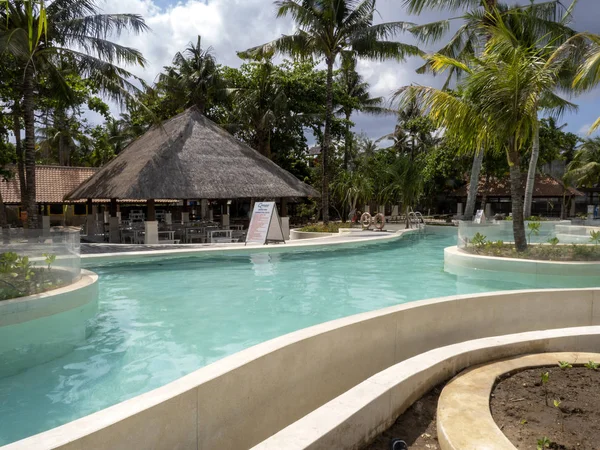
(459, 262)
(243, 399)
(297, 234)
(38, 328)
(356, 417)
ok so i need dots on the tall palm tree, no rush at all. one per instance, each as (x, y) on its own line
(326, 29)
(261, 102)
(588, 75)
(43, 37)
(194, 77)
(498, 111)
(356, 97)
(584, 170)
(469, 40)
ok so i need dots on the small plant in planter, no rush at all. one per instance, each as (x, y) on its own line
(556, 404)
(592, 365)
(543, 443)
(545, 378)
(553, 241)
(534, 228)
(565, 365)
(478, 240)
(49, 258)
(595, 237)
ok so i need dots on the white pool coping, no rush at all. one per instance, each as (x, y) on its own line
(456, 260)
(240, 248)
(243, 399)
(55, 301)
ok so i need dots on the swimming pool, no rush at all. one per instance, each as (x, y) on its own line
(161, 319)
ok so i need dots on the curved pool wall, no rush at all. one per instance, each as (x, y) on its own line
(39, 328)
(148, 334)
(243, 399)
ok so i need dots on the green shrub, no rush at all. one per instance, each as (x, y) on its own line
(331, 227)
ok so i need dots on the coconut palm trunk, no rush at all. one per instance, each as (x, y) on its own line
(20, 156)
(473, 185)
(535, 153)
(3, 221)
(347, 140)
(516, 194)
(326, 147)
(29, 119)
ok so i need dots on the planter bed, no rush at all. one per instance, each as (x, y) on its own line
(518, 406)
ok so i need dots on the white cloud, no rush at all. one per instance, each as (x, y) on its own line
(233, 25)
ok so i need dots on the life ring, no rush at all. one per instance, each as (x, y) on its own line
(365, 221)
(379, 221)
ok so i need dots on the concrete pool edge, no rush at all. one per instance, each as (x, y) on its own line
(458, 262)
(245, 398)
(55, 301)
(239, 248)
(355, 418)
(39, 328)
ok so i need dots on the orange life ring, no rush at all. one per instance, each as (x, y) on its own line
(365, 221)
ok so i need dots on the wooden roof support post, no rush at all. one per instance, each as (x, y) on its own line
(114, 236)
(151, 217)
(284, 207)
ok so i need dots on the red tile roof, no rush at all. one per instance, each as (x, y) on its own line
(545, 186)
(52, 183)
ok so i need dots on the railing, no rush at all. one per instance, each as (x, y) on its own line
(416, 218)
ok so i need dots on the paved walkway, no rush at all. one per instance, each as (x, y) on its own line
(105, 248)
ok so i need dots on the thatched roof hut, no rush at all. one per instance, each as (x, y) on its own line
(190, 157)
(545, 186)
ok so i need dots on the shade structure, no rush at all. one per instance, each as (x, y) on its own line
(190, 157)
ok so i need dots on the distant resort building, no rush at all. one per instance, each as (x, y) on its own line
(52, 183)
(548, 196)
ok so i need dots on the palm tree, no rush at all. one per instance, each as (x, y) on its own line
(261, 102)
(584, 170)
(194, 77)
(588, 75)
(352, 189)
(502, 91)
(326, 29)
(356, 97)
(405, 182)
(42, 38)
(470, 39)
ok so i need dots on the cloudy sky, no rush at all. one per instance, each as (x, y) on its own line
(232, 25)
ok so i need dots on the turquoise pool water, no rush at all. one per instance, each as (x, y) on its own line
(161, 319)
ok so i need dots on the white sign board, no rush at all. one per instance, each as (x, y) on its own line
(264, 224)
(479, 217)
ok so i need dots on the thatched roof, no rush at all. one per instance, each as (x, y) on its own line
(545, 186)
(190, 157)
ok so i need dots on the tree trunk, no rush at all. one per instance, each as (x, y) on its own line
(516, 194)
(473, 185)
(29, 118)
(263, 141)
(348, 141)
(535, 153)
(3, 221)
(484, 194)
(20, 156)
(326, 147)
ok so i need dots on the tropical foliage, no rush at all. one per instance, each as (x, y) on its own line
(506, 70)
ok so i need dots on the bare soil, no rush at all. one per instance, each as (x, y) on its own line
(518, 405)
(416, 427)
